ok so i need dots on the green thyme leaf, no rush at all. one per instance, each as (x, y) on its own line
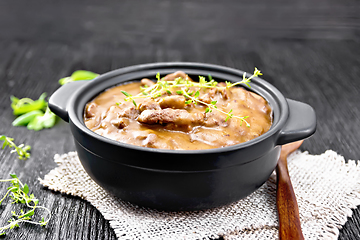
(126, 94)
(158, 76)
(13, 175)
(26, 189)
(134, 103)
(197, 94)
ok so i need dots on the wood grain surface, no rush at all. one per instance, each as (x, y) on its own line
(309, 50)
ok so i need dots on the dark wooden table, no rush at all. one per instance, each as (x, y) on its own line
(310, 50)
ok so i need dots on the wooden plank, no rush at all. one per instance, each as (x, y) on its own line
(307, 50)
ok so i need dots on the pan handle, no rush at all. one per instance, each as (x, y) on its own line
(301, 123)
(59, 99)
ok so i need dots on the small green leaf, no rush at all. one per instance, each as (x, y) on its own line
(158, 76)
(28, 214)
(42, 221)
(134, 102)
(13, 175)
(229, 115)
(197, 94)
(202, 80)
(14, 224)
(126, 94)
(26, 188)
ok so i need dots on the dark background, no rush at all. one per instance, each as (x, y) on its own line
(310, 50)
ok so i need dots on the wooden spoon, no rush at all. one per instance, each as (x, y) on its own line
(288, 210)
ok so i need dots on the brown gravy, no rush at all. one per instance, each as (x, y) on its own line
(167, 122)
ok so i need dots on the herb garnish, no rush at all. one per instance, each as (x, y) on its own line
(18, 192)
(21, 150)
(183, 88)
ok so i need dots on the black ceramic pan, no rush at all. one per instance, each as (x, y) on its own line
(186, 179)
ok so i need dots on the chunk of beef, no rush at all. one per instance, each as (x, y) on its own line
(173, 101)
(225, 92)
(149, 104)
(173, 76)
(205, 98)
(150, 141)
(90, 110)
(215, 119)
(168, 115)
(147, 82)
(128, 112)
(120, 123)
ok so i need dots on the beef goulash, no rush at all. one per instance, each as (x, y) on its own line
(176, 112)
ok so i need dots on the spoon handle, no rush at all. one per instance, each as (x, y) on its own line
(288, 210)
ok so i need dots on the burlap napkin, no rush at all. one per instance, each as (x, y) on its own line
(326, 187)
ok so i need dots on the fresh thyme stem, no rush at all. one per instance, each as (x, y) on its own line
(162, 87)
(21, 150)
(19, 194)
(212, 106)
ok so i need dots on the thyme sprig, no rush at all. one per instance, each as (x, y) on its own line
(212, 106)
(21, 150)
(18, 192)
(182, 87)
